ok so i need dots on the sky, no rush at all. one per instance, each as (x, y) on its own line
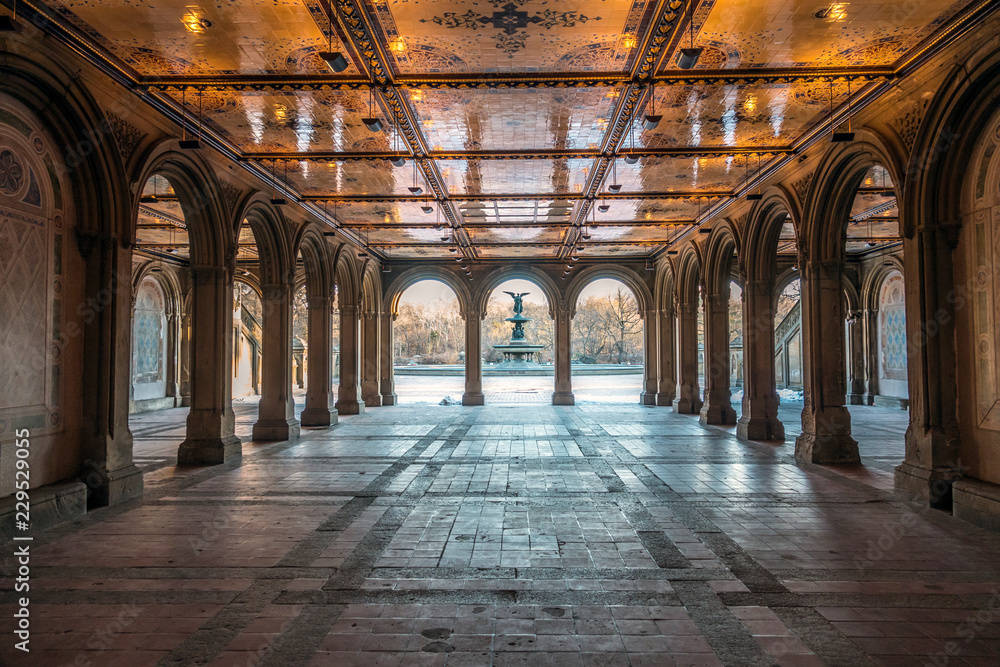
(430, 291)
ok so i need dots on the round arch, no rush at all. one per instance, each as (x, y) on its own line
(722, 248)
(395, 289)
(498, 276)
(317, 274)
(346, 277)
(763, 230)
(274, 247)
(663, 292)
(689, 274)
(212, 243)
(630, 278)
(166, 279)
(834, 187)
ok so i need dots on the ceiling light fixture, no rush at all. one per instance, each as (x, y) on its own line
(275, 199)
(10, 23)
(615, 188)
(333, 59)
(185, 143)
(427, 209)
(651, 120)
(754, 196)
(842, 137)
(689, 56)
(372, 123)
(415, 190)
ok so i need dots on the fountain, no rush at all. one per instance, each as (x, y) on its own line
(518, 356)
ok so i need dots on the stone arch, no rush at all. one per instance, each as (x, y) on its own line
(688, 282)
(493, 279)
(317, 275)
(827, 209)
(395, 289)
(632, 280)
(663, 291)
(346, 277)
(371, 287)
(212, 242)
(270, 232)
(763, 229)
(722, 248)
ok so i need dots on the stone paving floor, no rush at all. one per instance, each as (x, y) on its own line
(595, 535)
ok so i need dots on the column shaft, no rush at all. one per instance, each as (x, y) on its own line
(650, 362)
(276, 414)
(473, 359)
(370, 340)
(826, 422)
(348, 394)
(211, 424)
(759, 420)
(387, 376)
(563, 394)
(666, 348)
(688, 401)
(718, 407)
(319, 384)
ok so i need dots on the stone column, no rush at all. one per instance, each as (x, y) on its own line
(857, 347)
(387, 379)
(932, 463)
(211, 423)
(108, 470)
(759, 420)
(563, 394)
(861, 394)
(666, 347)
(688, 401)
(276, 414)
(348, 402)
(473, 359)
(370, 358)
(826, 422)
(649, 358)
(718, 407)
(173, 362)
(184, 355)
(319, 393)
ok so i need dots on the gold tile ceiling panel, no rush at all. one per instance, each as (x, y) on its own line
(764, 33)
(512, 106)
(488, 36)
(180, 37)
(510, 119)
(515, 177)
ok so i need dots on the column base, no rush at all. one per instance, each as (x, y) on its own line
(768, 430)
(687, 406)
(50, 505)
(209, 451)
(372, 401)
(389, 399)
(856, 399)
(717, 415)
(977, 502)
(276, 429)
(473, 398)
(647, 398)
(350, 407)
(563, 398)
(826, 448)
(929, 486)
(664, 399)
(108, 487)
(318, 417)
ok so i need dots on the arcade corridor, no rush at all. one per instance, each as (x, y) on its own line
(503, 535)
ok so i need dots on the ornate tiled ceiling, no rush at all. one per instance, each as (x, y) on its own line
(512, 110)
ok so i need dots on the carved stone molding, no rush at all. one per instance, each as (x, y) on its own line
(127, 136)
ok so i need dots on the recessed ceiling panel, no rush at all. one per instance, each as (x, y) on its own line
(647, 210)
(437, 36)
(509, 119)
(514, 235)
(618, 249)
(759, 33)
(515, 177)
(390, 213)
(505, 212)
(523, 251)
(383, 235)
(771, 115)
(656, 234)
(287, 122)
(415, 252)
(178, 37)
(352, 178)
(675, 174)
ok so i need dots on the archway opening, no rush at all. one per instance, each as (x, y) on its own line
(518, 369)
(428, 345)
(248, 332)
(788, 342)
(606, 339)
(735, 341)
(300, 342)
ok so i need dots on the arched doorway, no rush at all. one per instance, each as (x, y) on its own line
(607, 345)
(509, 375)
(428, 345)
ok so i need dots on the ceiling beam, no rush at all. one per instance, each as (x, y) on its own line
(544, 154)
(555, 197)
